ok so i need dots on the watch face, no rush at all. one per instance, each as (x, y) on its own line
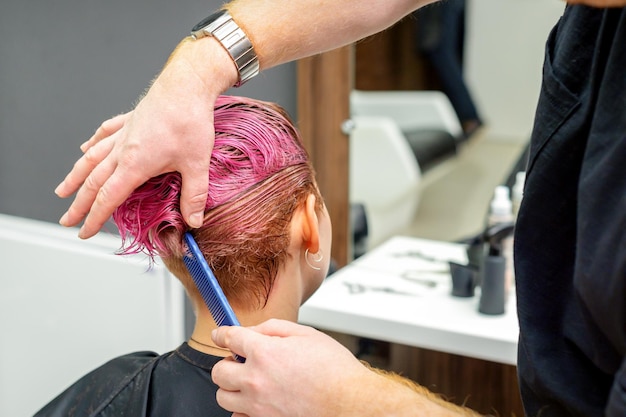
(204, 22)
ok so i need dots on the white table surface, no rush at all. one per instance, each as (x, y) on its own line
(418, 312)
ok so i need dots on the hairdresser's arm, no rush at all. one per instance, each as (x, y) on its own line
(171, 128)
(292, 370)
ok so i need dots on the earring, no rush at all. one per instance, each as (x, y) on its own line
(319, 258)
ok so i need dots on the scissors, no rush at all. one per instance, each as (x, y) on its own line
(417, 277)
(356, 288)
(419, 255)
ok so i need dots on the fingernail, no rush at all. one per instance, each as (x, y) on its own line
(195, 220)
(63, 220)
(57, 190)
(83, 147)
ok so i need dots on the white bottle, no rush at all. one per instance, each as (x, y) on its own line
(517, 192)
(501, 207)
(501, 211)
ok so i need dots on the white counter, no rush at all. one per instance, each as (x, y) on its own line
(416, 311)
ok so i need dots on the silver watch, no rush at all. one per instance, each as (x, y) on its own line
(222, 27)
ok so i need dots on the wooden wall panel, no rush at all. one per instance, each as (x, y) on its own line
(324, 84)
(390, 61)
(487, 387)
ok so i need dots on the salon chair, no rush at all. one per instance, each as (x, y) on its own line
(396, 137)
(426, 119)
(384, 179)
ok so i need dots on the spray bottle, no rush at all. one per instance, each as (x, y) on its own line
(493, 269)
(501, 212)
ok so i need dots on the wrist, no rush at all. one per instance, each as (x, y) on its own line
(206, 61)
(221, 26)
(185, 91)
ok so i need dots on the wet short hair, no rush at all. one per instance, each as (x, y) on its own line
(259, 174)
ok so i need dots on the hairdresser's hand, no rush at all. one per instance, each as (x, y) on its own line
(599, 3)
(171, 129)
(290, 370)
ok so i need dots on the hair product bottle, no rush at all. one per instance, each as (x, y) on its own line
(501, 212)
(517, 192)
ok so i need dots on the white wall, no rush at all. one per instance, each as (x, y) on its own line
(505, 50)
(67, 306)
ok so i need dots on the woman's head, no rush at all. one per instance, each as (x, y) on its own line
(259, 175)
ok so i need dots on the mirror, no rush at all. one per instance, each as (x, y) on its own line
(502, 62)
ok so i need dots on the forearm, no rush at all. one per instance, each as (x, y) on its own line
(283, 31)
(175, 114)
(378, 396)
(407, 398)
(286, 30)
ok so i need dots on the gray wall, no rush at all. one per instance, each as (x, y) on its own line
(67, 65)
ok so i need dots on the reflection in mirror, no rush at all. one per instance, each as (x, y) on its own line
(397, 84)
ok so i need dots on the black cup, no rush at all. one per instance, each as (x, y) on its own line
(463, 279)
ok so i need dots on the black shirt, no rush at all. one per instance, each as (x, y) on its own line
(143, 384)
(570, 241)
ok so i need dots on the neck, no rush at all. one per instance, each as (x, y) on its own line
(208, 348)
(283, 303)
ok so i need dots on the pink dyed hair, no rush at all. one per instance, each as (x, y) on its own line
(259, 174)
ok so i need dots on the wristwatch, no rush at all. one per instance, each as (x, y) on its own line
(222, 27)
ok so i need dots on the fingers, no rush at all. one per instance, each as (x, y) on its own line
(194, 172)
(283, 360)
(193, 196)
(83, 167)
(87, 194)
(90, 173)
(227, 375)
(106, 129)
(230, 376)
(235, 338)
(111, 194)
(104, 185)
(283, 328)
(230, 401)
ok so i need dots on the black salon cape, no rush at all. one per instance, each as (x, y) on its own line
(570, 240)
(143, 384)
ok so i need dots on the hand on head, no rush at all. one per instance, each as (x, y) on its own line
(171, 129)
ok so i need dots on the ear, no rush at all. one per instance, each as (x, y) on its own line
(310, 225)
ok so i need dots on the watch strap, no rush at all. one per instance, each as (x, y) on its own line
(222, 27)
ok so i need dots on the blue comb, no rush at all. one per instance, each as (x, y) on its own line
(208, 286)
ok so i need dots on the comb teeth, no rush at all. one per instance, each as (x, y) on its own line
(211, 299)
(208, 286)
